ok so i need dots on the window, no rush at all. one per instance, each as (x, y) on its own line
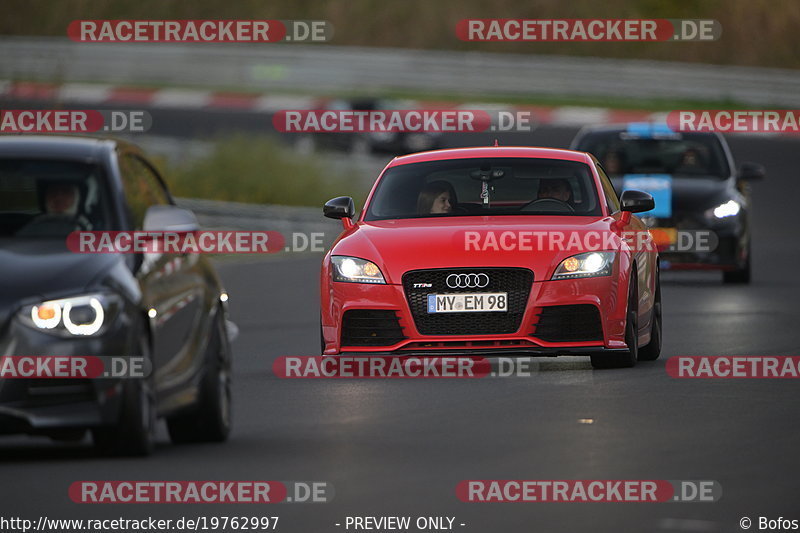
(142, 188)
(51, 198)
(680, 154)
(608, 189)
(485, 186)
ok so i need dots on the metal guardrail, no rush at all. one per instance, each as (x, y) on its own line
(217, 215)
(324, 68)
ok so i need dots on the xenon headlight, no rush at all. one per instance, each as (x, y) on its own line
(355, 270)
(586, 265)
(79, 316)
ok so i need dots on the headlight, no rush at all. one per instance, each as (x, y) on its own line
(730, 208)
(586, 265)
(355, 270)
(79, 316)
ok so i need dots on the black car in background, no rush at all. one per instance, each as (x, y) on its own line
(168, 308)
(697, 191)
(383, 142)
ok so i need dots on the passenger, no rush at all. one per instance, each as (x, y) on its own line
(436, 198)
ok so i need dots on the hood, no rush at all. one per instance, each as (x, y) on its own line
(45, 269)
(398, 246)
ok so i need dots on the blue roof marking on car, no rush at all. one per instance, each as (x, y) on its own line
(649, 130)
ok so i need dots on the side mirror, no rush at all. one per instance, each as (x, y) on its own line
(169, 218)
(636, 201)
(341, 207)
(752, 172)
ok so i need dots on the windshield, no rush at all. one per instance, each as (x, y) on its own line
(687, 154)
(486, 186)
(45, 198)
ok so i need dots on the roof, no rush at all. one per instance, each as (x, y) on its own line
(491, 151)
(55, 146)
(658, 127)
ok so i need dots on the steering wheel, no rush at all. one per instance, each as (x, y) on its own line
(548, 205)
(53, 224)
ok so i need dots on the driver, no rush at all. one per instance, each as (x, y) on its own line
(61, 199)
(556, 189)
(60, 202)
(691, 162)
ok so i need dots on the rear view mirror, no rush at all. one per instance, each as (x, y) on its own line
(636, 201)
(169, 218)
(340, 207)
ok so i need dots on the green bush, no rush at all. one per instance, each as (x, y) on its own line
(259, 170)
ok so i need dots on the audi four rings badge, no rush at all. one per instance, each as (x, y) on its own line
(467, 281)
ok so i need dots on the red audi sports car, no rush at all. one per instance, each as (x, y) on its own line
(493, 251)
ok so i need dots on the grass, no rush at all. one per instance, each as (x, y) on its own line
(259, 170)
(648, 104)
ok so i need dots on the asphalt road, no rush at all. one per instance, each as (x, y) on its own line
(399, 447)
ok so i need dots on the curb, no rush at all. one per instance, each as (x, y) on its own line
(271, 103)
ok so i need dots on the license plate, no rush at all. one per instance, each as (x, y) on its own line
(479, 302)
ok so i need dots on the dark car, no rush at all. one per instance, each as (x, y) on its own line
(391, 142)
(703, 205)
(167, 308)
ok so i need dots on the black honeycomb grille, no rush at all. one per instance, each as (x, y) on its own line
(514, 281)
(569, 323)
(371, 327)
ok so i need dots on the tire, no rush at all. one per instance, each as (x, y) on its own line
(741, 275)
(625, 359)
(652, 350)
(211, 419)
(134, 433)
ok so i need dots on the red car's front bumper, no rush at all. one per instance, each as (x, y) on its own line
(607, 294)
